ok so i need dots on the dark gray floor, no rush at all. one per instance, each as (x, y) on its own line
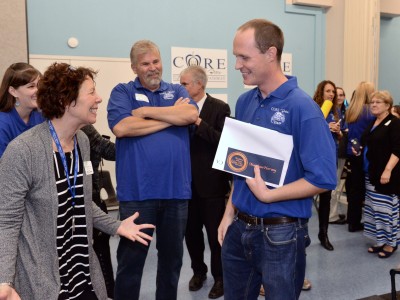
(349, 272)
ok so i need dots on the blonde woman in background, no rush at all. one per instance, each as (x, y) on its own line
(358, 117)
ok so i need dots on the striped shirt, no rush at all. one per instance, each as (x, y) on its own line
(72, 240)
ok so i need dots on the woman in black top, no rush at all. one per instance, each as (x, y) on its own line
(381, 152)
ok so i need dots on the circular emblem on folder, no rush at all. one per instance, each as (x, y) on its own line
(237, 161)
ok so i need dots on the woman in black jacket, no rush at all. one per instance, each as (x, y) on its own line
(101, 147)
(381, 152)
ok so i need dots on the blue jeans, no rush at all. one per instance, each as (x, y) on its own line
(170, 218)
(272, 255)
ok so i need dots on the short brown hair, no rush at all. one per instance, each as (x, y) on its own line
(266, 35)
(16, 75)
(59, 88)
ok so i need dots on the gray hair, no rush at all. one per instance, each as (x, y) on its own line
(142, 47)
(198, 73)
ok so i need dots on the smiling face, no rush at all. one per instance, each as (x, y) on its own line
(340, 96)
(253, 64)
(148, 68)
(26, 95)
(84, 109)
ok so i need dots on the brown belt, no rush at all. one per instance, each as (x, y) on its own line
(265, 221)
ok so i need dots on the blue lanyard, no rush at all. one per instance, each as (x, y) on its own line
(72, 189)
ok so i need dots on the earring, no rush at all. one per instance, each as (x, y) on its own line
(17, 103)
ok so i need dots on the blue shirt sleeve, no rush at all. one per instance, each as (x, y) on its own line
(119, 107)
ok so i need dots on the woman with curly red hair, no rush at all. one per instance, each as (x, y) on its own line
(47, 214)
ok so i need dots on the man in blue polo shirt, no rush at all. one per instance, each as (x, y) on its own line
(149, 118)
(264, 230)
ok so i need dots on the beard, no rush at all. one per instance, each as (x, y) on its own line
(153, 81)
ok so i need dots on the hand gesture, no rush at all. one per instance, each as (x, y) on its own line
(132, 231)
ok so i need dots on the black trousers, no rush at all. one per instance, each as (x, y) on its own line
(206, 212)
(355, 190)
(101, 245)
(324, 210)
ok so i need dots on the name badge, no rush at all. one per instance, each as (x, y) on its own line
(88, 167)
(141, 97)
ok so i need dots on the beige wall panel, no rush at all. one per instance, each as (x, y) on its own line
(13, 34)
(361, 42)
(334, 42)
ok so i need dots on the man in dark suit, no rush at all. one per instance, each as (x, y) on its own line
(209, 186)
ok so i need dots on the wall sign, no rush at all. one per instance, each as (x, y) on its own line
(213, 60)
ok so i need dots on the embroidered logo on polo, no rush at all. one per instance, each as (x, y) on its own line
(168, 95)
(278, 117)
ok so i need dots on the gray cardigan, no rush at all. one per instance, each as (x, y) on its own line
(28, 216)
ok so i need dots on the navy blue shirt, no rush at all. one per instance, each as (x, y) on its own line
(153, 166)
(289, 110)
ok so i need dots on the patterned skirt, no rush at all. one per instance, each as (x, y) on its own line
(381, 216)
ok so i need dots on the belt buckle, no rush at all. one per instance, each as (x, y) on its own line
(250, 220)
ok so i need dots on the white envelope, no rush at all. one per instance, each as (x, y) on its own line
(241, 142)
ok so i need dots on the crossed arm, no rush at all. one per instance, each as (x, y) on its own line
(148, 119)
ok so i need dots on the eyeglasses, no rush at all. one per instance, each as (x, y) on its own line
(376, 102)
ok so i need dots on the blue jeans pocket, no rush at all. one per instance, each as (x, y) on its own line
(281, 234)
